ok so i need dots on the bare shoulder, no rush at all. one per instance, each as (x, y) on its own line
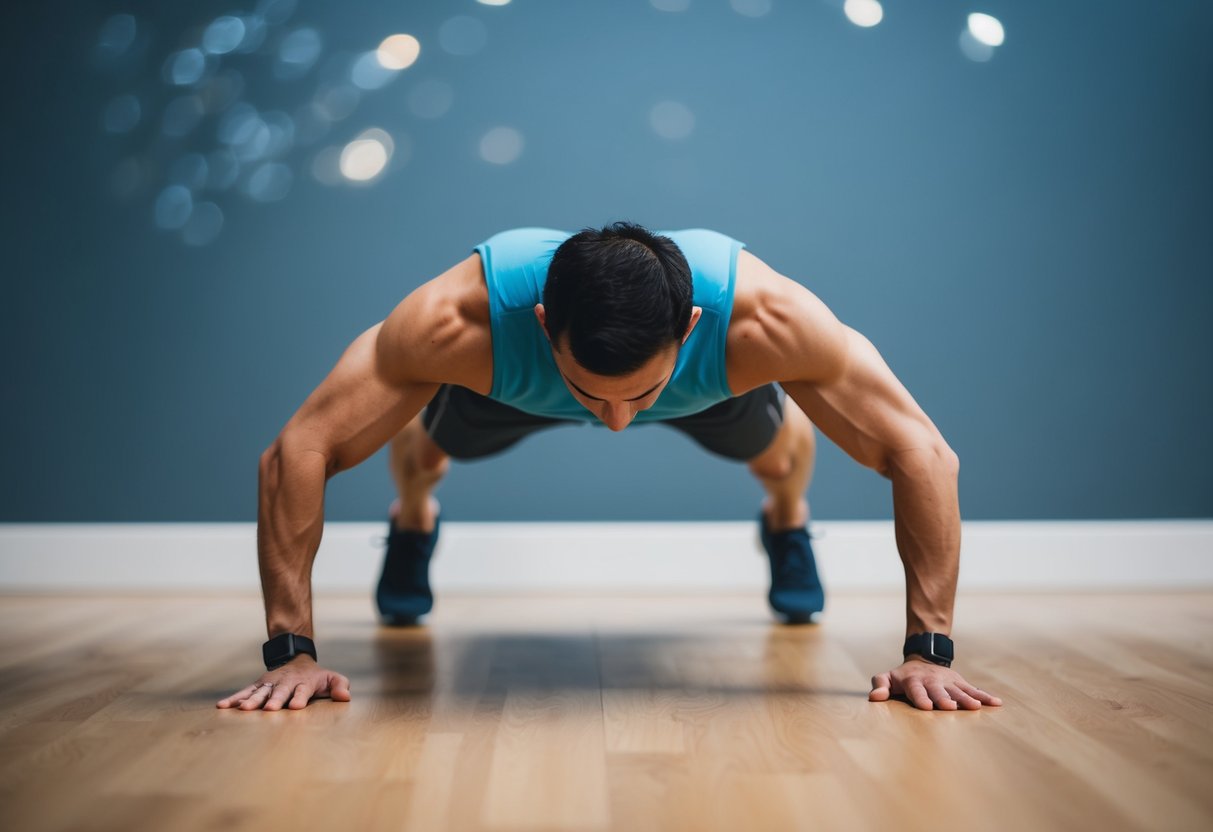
(440, 331)
(779, 330)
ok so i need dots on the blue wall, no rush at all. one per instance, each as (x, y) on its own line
(1028, 240)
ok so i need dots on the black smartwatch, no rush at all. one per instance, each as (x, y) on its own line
(934, 647)
(281, 649)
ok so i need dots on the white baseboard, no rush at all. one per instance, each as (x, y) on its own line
(630, 557)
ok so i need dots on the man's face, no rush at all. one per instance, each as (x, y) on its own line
(616, 400)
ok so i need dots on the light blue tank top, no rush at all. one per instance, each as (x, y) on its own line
(524, 372)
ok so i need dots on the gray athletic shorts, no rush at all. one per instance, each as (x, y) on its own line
(467, 425)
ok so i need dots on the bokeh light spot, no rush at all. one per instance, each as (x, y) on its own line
(501, 145)
(173, 207)
(270, 182)
(186, 67)
(237, 123)
(245, 132)
(398, 51)
(987, 29)
(223, 35)
(281, 133)
(116, 35)
(365, 157)
(255, 30)
(122, 114)
(204, 224)
(863, 13)
(326, 167)
(369, 73)
(222, 168)
(493, 2)
(276, 11)
(974, 49)
(297, 52)
(463, 35)
(751, 8)
(672, 120)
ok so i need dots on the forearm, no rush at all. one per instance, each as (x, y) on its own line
(290, 522)
(926, 514)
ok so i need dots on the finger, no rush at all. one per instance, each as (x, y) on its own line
(303, 693)
(236, 697)
(986, 698)
(963, 699)
(940, 696)
(917, 694)
(258, 697)
(880, 688)
(339, 688)
(282, 692)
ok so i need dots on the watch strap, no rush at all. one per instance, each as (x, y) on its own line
(282, 648)
(934, 647)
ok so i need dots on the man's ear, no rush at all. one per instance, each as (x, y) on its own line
(696, 311)
(543, 320)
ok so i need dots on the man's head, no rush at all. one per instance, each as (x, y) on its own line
(616, 308)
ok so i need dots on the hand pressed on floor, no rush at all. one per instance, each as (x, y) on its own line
(928, 686)
(294, 684)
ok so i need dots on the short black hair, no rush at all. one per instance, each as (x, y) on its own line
(621, 293)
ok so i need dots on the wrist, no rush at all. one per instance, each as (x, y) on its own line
(284, 647)
(932, 647)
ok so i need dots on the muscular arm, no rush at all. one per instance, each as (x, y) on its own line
(439, 333)
(844, 386)
(784, 333)
(353, 412)
(871, 416)
(382, 380)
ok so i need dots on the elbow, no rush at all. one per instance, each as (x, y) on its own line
(952, 459)
(944, 459)
(286, 448)
(937, 456)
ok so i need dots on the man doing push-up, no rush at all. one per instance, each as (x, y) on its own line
(539, 327)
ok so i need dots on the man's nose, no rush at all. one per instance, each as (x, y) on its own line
(616, 416)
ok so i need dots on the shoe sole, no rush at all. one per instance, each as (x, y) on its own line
(794, 619)
(401, 621)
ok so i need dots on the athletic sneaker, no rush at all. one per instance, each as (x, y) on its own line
(796, 591)
(403, 594)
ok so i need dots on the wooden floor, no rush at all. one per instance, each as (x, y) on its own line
(587, 713)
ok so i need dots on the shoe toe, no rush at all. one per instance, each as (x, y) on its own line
(798, 603)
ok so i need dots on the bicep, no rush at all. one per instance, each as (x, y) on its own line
(358, 407)
(864, 408)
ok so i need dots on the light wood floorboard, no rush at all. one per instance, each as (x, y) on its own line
(607, 712)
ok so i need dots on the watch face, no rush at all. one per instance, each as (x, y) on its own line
(282, 648)
(934, 647)
(277, 650)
